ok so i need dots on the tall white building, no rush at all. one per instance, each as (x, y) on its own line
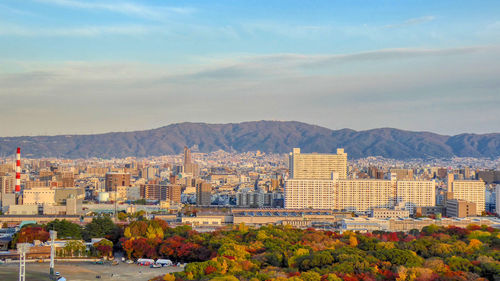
(317, 166)
(318, 181)
(469, 190)
(364, 195)
(413, 193)
(310, 194)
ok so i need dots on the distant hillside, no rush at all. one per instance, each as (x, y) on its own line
(268, 136)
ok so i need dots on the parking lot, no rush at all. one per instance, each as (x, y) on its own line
(76, 271)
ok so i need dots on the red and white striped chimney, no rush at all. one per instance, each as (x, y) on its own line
(18, 170)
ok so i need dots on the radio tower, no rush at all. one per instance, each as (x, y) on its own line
(18, 170)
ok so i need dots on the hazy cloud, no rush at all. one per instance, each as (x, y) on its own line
(82, 31)
(404, 88)
(413, 21)
(132, 9)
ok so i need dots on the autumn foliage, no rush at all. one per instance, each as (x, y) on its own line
(278, 253)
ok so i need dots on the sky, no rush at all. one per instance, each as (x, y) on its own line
(82, 67)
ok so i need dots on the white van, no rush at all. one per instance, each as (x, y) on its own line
(146, 262)
(164, 262)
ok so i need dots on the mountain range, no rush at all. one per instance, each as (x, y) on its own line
(266, 136)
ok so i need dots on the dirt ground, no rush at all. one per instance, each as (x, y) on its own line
(79, 271)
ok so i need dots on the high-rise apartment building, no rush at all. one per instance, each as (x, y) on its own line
(364, 195)
(203, 194)
(187, 155)
(174, 193)
(317, 166)
(189, 167)
(113, 180)
(149, 173)
(469, 190)
(414, 193)
(312, 194)
(7, 184)
(319, 181)
(151, 191)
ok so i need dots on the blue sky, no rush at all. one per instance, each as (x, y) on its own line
(74, 66)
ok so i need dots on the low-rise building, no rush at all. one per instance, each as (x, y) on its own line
(460, 208)
(383, 213)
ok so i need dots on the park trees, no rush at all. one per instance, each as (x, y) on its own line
(74, 248)
(104, 248)
(65, 229)
(286, 253)
(100, 227)
(30, 233)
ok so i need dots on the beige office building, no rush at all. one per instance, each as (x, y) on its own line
(460, 208)
(310, 194)
(317, 166)
(364, 195)
(402, 174)
(414, 194)
(469, 190)
(39, 196)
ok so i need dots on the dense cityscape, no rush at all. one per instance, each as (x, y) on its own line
(255, 140)
(150, 209)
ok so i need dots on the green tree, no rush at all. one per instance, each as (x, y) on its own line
(65, 229)
(74, 248)
(122, 216)
(100, 227)
(459, 264)
(399, 257)
(310, 276)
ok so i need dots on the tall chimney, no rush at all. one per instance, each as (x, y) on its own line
(18, 170)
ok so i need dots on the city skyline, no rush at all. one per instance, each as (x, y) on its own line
(69, 65)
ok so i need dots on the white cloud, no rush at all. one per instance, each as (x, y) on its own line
(131, 9)
(412, 21)
(81, 31)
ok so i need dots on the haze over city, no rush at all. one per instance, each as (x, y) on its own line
(79, 67)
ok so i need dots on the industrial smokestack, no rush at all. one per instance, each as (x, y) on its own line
(18, 170)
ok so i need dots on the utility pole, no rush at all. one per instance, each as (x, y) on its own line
(53, 236)
(116, 201)
(22, 249)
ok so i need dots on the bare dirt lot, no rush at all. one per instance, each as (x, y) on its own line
(76, 271)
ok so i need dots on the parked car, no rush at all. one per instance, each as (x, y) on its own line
(164, 262)
(155, 265)
(145, 262)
